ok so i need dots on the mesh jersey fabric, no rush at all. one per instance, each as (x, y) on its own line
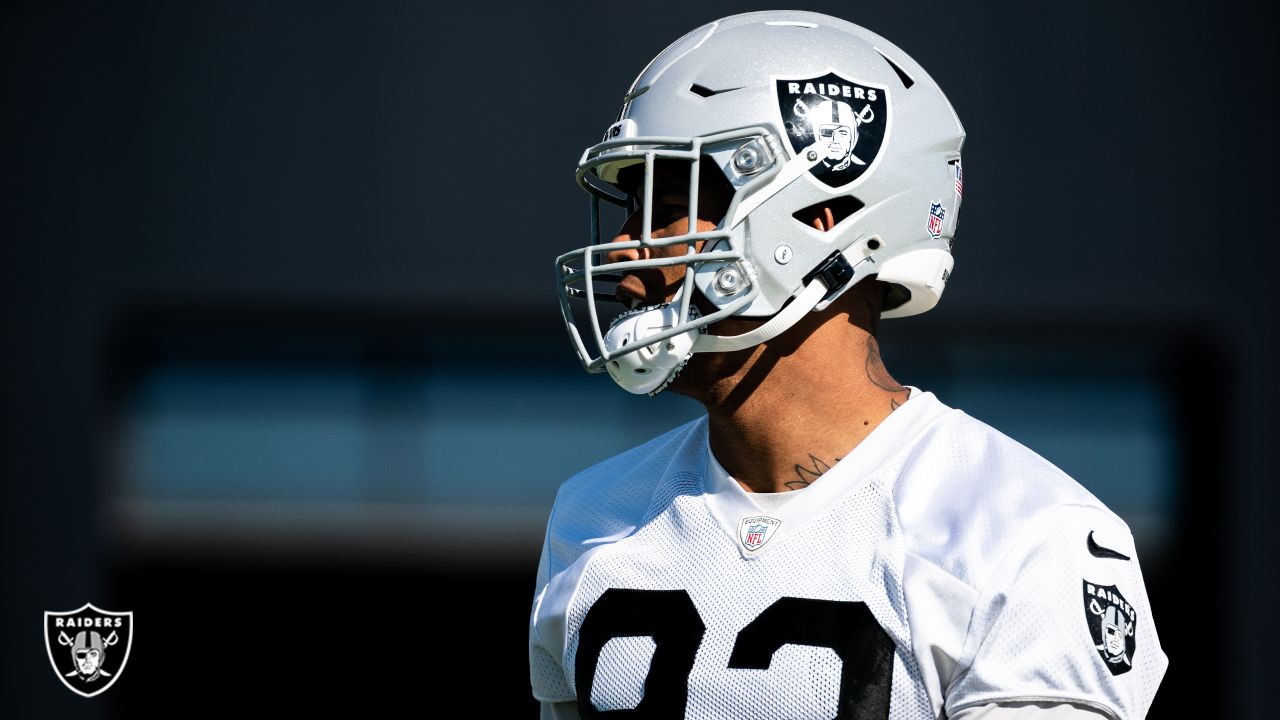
(938, 566)
(994, 711)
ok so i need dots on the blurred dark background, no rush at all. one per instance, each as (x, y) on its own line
(283, 372)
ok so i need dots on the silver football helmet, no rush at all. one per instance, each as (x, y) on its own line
(797, 110)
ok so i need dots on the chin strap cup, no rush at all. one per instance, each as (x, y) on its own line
(652, 366)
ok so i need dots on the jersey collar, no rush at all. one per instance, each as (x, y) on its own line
(730, 504)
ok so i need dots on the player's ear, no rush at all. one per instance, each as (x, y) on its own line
(819, 216)
(826, 219)
(825, 215)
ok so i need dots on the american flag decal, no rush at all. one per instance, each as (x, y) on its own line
(959, 180)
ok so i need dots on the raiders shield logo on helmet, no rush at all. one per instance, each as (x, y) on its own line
(88, 647)
(841, 121)
(1112, 624)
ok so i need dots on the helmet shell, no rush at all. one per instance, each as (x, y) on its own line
(733, 73)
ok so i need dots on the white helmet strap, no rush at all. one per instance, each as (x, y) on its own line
(829, 277)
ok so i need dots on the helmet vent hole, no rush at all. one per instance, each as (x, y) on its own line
(840, 208)
(873, 244)
(902, 74)
(704, 91)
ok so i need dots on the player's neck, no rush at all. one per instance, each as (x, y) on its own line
(816, 400)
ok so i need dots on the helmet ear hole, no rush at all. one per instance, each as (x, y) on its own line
(841, 207)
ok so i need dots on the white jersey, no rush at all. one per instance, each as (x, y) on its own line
(939, 566)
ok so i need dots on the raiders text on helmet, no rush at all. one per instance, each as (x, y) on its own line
(796, 110)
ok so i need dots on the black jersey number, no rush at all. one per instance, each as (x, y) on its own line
(670, 618)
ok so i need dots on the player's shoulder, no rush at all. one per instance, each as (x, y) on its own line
(610, 499)
(621, 479)
(966, 492)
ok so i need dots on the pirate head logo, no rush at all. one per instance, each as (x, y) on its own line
(754, 532)
(838, 122)
(88, 647)
(1112, 624)
(88, 653)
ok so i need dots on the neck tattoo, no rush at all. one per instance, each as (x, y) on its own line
(806, 474)
(881, 378)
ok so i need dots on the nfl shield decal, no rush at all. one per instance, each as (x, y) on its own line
(88, 647)
(839, 122)
(936, 214)
(755, 531)
(1112, 624)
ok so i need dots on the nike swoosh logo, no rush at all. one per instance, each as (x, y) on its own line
(1098, 551)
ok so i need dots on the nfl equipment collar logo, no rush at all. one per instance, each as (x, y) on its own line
(840, 123)
(88, 647)
(755, 531)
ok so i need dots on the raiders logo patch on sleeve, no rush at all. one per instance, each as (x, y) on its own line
(1112, 625)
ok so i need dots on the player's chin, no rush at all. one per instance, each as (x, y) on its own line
(712, 377)
(691, 383)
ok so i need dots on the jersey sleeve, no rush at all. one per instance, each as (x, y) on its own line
(546, 673)
(1029, 711)
(1065, 619)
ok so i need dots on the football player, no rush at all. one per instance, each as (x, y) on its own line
(825, 542)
